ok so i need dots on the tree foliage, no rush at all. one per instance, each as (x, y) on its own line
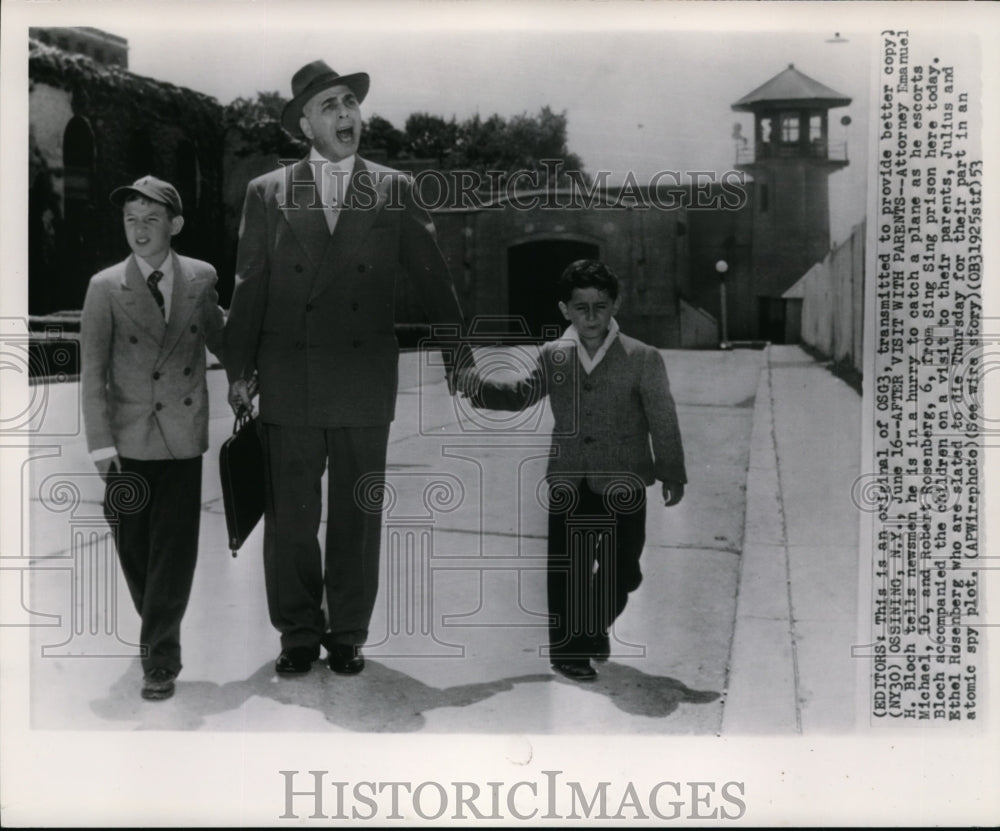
(521, 142)
(257, 124)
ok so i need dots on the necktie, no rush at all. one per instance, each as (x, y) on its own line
(152, 281)
(335, 182)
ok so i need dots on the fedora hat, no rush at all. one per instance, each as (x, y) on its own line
(315, 77)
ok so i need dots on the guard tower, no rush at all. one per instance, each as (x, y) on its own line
(790, 161)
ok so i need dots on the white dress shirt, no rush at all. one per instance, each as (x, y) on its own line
(332, 179)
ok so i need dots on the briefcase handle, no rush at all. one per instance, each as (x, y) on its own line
(243, 415)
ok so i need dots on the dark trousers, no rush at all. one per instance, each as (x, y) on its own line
(154, 509)
(295, 575)
(593, 564)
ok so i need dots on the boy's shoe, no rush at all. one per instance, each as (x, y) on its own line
(158, 684)
(296, 660)
(577, 669)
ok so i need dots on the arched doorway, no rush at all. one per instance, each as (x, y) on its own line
(533, 270)
(188, 182)
(79, 250)
(141, 158)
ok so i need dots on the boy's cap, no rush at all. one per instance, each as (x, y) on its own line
(152, 188)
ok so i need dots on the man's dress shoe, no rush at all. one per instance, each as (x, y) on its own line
(296, 660)
(346, 659)
(576, 669)
(601, 647)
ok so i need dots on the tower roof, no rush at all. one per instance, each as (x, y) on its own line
(791, 88)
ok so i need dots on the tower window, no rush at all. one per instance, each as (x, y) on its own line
(789, 128)
(815, 127)
(765, 130)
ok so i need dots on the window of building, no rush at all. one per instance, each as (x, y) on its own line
(765, 130)
(816, 127)
(789, 128)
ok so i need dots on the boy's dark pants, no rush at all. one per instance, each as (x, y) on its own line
(584, 601)
(156, 533)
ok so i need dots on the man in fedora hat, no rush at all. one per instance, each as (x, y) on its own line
(321, 244)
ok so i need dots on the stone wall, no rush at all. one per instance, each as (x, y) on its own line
(93, 128)
(833, 303)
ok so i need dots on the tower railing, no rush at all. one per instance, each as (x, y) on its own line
(816, 149)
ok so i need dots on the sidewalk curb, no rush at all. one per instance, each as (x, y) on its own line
(762, 695)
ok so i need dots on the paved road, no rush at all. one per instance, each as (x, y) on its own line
(456, 636)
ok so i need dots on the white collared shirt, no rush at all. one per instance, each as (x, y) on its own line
(589, 363)
(332, 179)
(166, 284)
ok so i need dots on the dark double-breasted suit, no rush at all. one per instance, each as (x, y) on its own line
(145, 395)
(313, 315)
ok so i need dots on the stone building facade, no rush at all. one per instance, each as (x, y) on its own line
(698, 264)
(93, 127)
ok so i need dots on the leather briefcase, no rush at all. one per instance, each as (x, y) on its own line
(241, 467)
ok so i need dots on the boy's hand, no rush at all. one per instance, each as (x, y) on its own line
(673, 492)
(108, 466)
(240, 396)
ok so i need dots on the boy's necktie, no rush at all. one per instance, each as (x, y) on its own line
(152, 281)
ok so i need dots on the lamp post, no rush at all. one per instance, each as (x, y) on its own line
(721, 268)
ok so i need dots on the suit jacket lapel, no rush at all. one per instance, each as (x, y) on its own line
(352, 225)
(183, 302)
(136, 299)
(303, 210)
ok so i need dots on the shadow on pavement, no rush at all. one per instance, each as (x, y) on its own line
(640, 694)
(380, 700)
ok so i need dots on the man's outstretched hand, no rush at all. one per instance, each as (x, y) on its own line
(456, 372)
(467, 381)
